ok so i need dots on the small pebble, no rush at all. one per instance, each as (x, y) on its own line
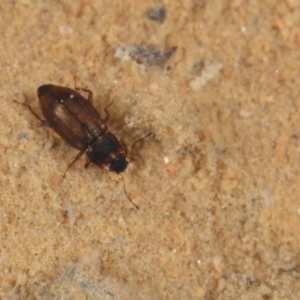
(156, 14)
(149, 54)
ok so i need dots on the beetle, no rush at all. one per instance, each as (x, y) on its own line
(75, 119)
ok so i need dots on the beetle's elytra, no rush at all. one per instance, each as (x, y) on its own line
(76, 120)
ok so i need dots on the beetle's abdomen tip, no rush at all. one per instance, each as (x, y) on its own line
(42, 89)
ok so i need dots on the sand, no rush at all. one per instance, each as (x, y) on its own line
(218, 185)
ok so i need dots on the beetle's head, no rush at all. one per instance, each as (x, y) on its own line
(107, 152)
(118, 164)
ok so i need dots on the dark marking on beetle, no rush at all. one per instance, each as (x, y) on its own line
(74, 118)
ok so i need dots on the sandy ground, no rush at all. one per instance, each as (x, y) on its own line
(218, 186)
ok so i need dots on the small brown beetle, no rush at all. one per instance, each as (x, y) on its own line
(76, 120)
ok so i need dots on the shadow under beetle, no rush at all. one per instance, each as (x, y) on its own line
(76, 120)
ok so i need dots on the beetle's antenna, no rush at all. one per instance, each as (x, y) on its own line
(139, 140)
(127, 194)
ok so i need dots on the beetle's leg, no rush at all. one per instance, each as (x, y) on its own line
(90, 93)
(139, 140)
(73, 161)
(44, 122)
(124, 148)
(90, 99)
(87, 163)
(106, 111)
